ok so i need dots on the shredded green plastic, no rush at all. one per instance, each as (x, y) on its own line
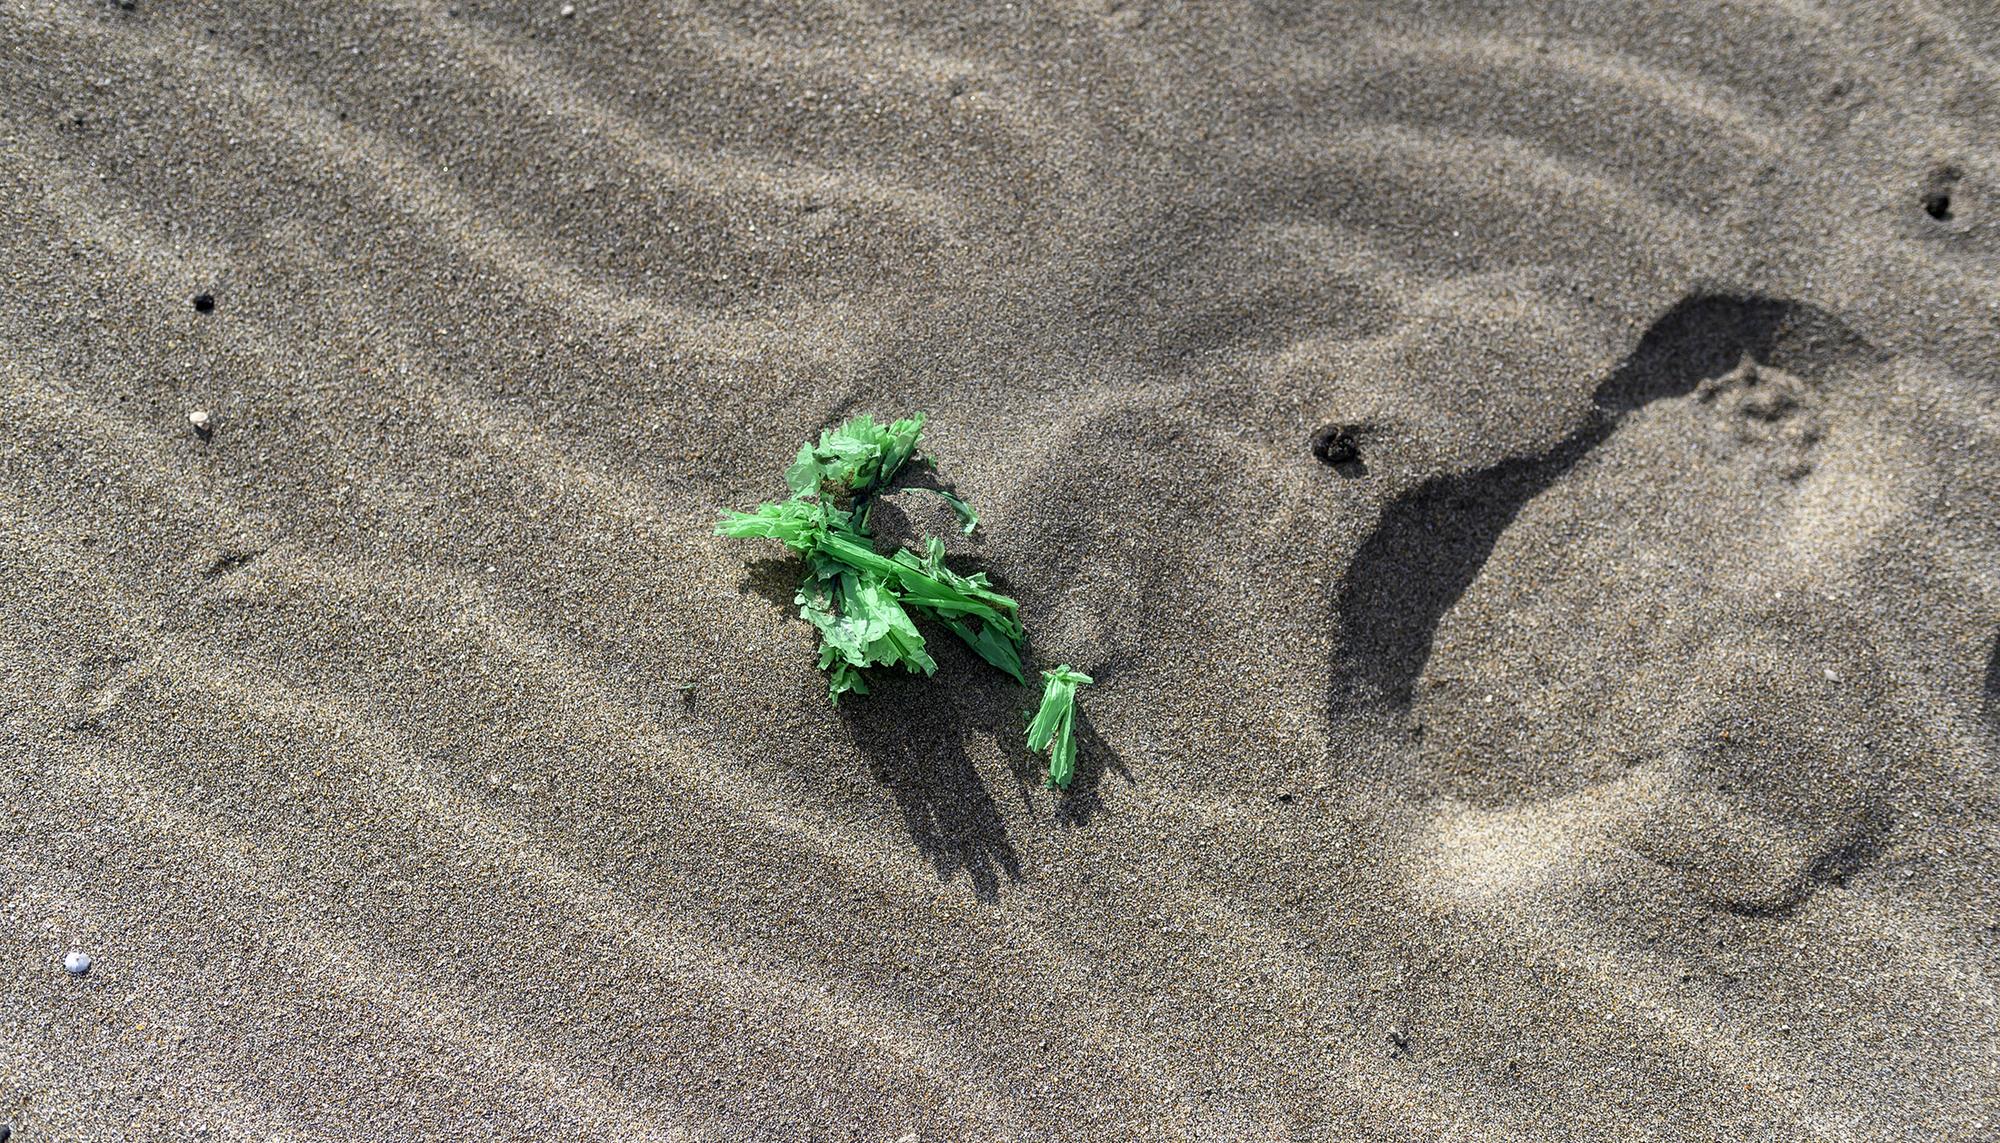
(1054, 725)
(861, 601)
(865, 604)
(966, 515)
(855, 459)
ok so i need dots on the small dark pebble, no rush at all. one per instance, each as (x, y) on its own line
(1285, 798)
(204, 303)
(1338, 445)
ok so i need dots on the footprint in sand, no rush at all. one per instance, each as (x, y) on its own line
(1640, 637)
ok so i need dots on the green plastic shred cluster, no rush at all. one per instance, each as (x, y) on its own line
(865, 604)
(1054, 725)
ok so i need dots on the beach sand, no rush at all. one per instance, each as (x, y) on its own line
(1523, 477)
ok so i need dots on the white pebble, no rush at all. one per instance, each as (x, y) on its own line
(77, 962)
(568, 10)
(198, 418)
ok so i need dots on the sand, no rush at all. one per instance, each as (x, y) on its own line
(1523, 477)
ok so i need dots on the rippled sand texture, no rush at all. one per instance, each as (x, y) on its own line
(1604, 745)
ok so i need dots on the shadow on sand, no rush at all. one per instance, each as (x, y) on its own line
(913, 734)
(914, 731)
(1432, 540)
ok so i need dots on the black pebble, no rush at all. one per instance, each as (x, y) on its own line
(204, 303)
(1337, 445)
